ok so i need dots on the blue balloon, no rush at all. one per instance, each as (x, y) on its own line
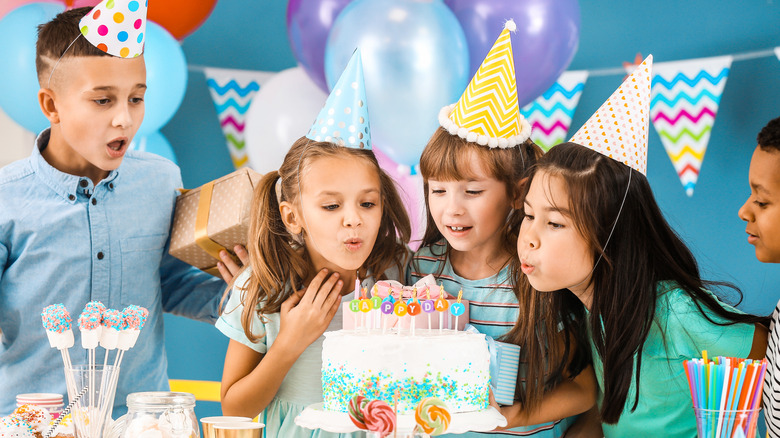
(415, 61)
(19, 86)
(155, 143)
(166, 78)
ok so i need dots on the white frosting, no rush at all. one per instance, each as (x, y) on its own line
(450, 365)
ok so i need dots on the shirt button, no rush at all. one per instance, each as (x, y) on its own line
(94, 201)
(100, 255)
(83, 183)
(71, 197)
(111, 186)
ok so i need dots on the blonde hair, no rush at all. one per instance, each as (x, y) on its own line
(273, 251)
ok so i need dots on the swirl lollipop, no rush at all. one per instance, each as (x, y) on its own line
(355, 410)
(379, 417)
(432, 416)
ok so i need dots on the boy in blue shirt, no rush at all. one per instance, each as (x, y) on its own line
(761, 211)
(85, 219)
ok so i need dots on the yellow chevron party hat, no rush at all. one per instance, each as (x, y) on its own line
(619, 127)
(487, 112)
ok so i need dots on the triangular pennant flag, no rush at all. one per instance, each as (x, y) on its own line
(684, 103)
(344, 118)
(777, 52)
(487, 112)
(551, 113)
(618, 129)
(117, 27)
(232, 92)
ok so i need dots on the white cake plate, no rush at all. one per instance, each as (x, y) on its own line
(315, 417)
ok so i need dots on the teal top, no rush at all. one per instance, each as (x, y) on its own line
(680, 332)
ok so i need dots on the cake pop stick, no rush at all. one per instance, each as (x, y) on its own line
(89, 326)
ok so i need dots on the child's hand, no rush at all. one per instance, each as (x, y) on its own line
(228, 267)
(305, 316)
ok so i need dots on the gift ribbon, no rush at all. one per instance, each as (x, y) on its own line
(202, 238)
(492, 349)
(384, 287)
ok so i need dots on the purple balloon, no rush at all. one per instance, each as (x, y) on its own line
(308, 25)
(543, 46)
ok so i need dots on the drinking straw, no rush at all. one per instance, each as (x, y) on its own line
(690, 382)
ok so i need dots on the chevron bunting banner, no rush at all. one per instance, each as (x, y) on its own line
(551, 113)
(232, 92)
(685, 98)
(489, 105)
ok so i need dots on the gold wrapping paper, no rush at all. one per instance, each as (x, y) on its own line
(213, 217)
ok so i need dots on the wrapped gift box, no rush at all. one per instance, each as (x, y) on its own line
(353, 320)
(503, 377)
(213, 217)
(504, 365)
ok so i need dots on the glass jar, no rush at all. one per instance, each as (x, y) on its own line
(169, 413)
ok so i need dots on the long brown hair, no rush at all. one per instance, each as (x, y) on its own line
(642, 252)
(274, 255)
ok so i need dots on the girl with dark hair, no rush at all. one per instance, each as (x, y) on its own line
(593, 230)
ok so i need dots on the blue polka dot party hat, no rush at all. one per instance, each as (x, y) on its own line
(344, 118)
(116, 27)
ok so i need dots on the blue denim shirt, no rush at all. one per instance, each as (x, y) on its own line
(64, 240)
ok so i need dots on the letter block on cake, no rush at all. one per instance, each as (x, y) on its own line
(213, 217)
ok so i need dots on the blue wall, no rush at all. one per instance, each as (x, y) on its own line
(250, 34)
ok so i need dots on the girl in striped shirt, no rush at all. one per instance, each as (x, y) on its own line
(471, 194)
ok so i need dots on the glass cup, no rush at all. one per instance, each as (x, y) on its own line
(238, 430)
(716, 423)
(91, 392)
(209, 422)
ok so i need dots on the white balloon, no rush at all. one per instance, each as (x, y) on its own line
(281, 112)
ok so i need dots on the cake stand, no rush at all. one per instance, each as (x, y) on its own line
(315, 417)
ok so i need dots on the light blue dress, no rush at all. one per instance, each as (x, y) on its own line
(302, 385)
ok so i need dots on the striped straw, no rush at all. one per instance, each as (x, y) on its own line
(64, 413)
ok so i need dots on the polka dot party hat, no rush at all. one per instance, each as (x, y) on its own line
(116, 27)
(619, 127)
(487, 113)
(344, 118)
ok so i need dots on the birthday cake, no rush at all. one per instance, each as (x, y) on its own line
(385, 365)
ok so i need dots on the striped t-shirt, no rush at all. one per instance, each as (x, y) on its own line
(772, 378)
(493, 310)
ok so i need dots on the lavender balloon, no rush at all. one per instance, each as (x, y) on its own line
(308, 25)
(543, 46)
